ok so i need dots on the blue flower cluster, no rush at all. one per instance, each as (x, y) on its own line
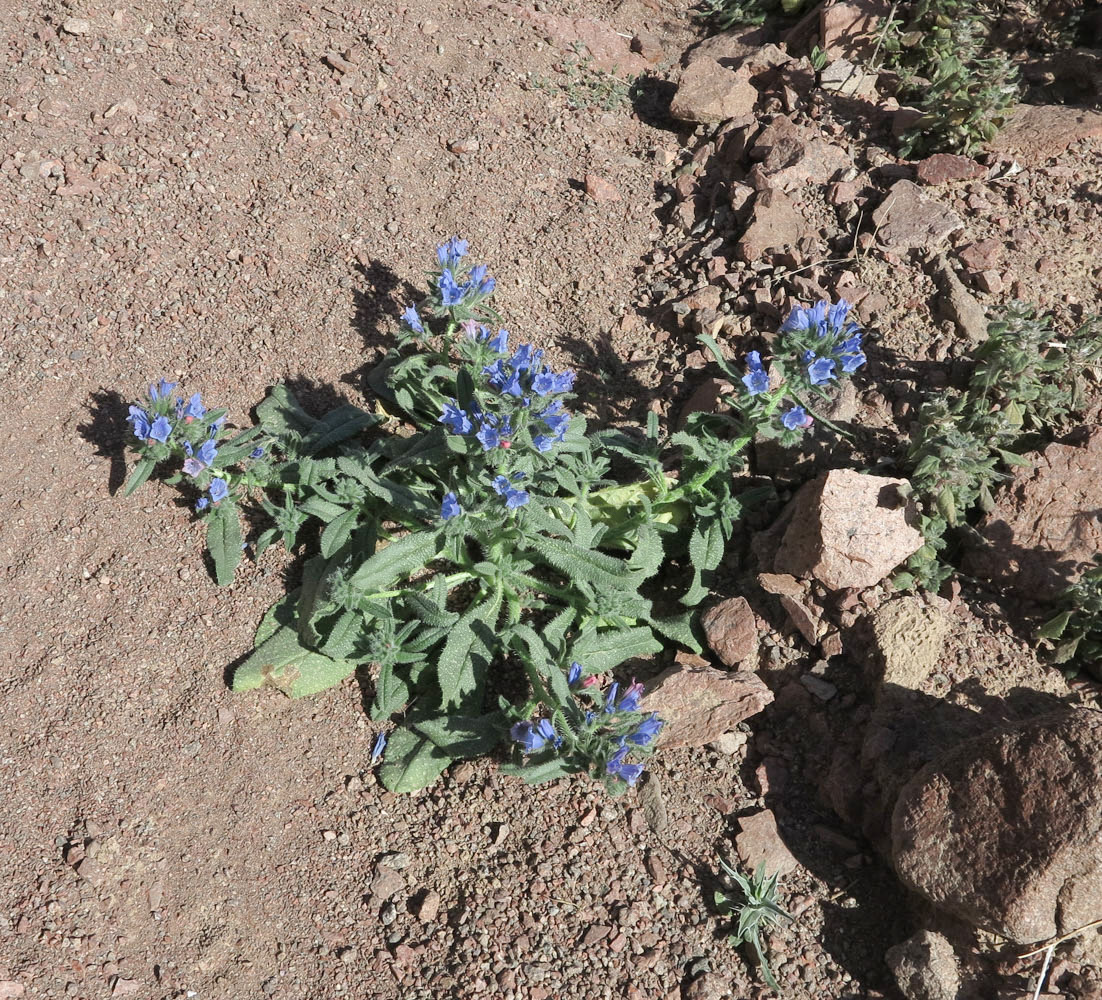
(838, 339)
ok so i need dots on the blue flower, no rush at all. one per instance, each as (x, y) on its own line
(544, 382)
(162, 389)
(820, 371)
(256, 453)
(202, 503)
(852, 357)
(488, 436)
(516, 498)
(139, 420)
(535, 737)
(160, 430)
(756, 380)
(219, 490)
(487, 287)
(522, 358)
(630, 701)
(496, 373)
(216, 426)
(500, 343)
(194, 409)
(796, 418)
(188, 450)
(192, 466)
(378, 748)
(647, 731)
(753, 362)
(610, 698)
(455, 419)
(450, 507)
(451, 294)
(500, 485)
(543, 443)
(625, 772)
(206, 452)
(564, 382)
(512, 386)
(412, 320)
(575, 673)
(450, 253)
(557, 423)
(836, 316)
(477, 275)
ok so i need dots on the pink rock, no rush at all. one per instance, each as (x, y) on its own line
(731, 630)
(1034, 133)
(700, 703)
(909, 220)
(760, 841)
(796, 600)
(710, 93)
(847, 529)
(600, 190)
(849, 30)
(941, 168)
(792, 155)
(775, 224)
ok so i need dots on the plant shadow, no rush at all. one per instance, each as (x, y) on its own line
(107, 430)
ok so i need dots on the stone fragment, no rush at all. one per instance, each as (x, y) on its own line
(125, 987)
(795, 598)
(1034, 133)
(700, 703)
(775, 224)
(728, 48)
(386, 883)
(849, 30)
(909, 639)
(761, 841)
(959, 305)
(1045, 527)
(941, 168)
(822, 689)
(11, 988)
(907, 219)
(76, 26)
(731, 630)
(925, 966)
(706, 398)
(843, 77)
(989, 281)
(709, 93)
(1004, 831)
(729, 743)
(981, 255)
(708, 986)
(792, 155)
(847, 529)
(648, 45)
(600, 190)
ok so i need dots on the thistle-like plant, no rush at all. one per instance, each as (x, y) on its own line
(757, 911)
(1075, 634)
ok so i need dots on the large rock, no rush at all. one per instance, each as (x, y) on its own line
(728, 48)
(792, 155)
(709, 93)
(1005, 830)
(925, 966)
(1034, 133)
(775, 224)
(760, 843)
(849, 30)
(1045, 527)
(731, 630)
(848, 529)
(700, 703)
(909, 220)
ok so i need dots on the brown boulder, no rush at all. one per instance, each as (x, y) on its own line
(1045, 527)
(760, 843)
(941, 168)
(849, 30)
(1005, 830)
(792, 155)
(907, 219)
(775, 224)
(731, 630)
(1034, 133)
(709, 93)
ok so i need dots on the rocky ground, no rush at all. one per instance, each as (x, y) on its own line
(251, 192)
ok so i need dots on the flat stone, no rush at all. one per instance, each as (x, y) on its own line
(909, 220)
(959, 305)
(386, 883)
(849, 30)
(791, 155)
(775, 224)
(1034, 133)
(701, 703)
(1005, 830)
(709, 93)
(76, 26)
(925, 966)
(942, 168)
(600, 190)
(760, 841)
(731, 630)
(1045, 528)
(847, 529)
(728, 48)
(429, 907)
(822, 689)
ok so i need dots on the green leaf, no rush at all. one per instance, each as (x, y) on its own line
(429, 611)
(466, 655)
(337, 532)
(391, 693)
(464, 389)
(679, 628)
(322, 509)
(464, 735)
(346, 634)
(285, 664)
(224, 541)
(272, 653)
(1054, 628)
(336, 426)
(649, 552)
(313, 673)
(313, 573)
(601, 570)
(706, 547)
(398, 496)
(1012, 458)
(535, 774)
(280, 414)
(397, 560)
(139, 474)
(554, 632)
(412, 761)
(601, 650)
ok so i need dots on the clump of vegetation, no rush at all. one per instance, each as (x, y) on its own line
(757, 911)
(949, 70)
(724, 14)
(1027, 381)
(1075, 634)
(586, 85)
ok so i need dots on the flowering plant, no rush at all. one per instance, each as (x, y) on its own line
(468, 546)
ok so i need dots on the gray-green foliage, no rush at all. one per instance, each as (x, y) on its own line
(724, 14)
(1027, 381)
(1075, 634)
(757, 911)
(586, 85)
(951, 73)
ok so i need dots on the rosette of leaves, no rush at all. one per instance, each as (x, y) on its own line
(1075, 634)
(757, 911)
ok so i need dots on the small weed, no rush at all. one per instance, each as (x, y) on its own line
(724, 14)
(587, 86)
(757, 912)
(1075, 634)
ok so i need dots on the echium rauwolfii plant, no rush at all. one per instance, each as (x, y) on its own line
(1075, 634)
(467, 547)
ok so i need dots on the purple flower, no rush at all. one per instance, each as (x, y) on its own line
(796, 418)
(647, 731)
(488, 436)
(630, 701)
(516, 498)
(544, 382)
(756, 380)
(256, 453)
(820, 371)
(192, 466)
(535, 737)
(219, 490)
(500, 343)
(610, 698)
(450, 253)
(412, 320)
(194, 410)
(451, 294)
(450, 507)
(543, 443)
(161, 429)
(455, 419)
(575, 674)
(206, 452)
(625, 772)
(139, 420)
(202, 503)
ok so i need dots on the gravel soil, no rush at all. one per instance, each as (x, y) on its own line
(232, 194)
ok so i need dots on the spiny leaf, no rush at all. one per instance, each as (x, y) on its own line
(224, 541)
(138, 475)
(396, 561)
(412, 761)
